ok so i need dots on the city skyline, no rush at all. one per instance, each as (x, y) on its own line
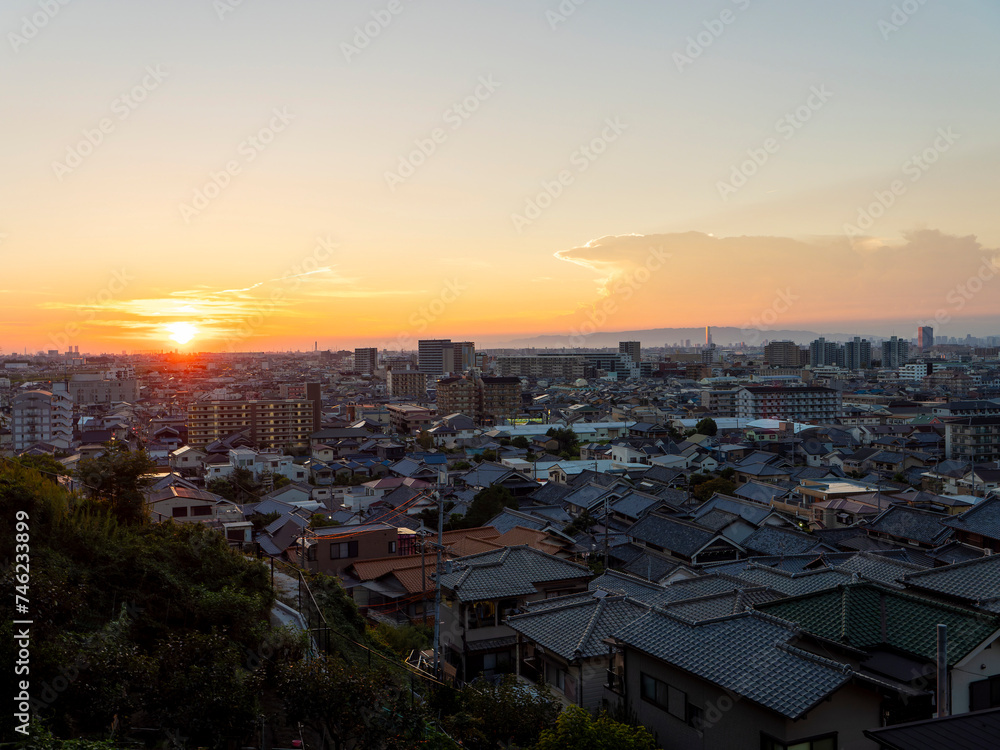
(236, 177)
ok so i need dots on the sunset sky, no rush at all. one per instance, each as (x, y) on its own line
(260, 175)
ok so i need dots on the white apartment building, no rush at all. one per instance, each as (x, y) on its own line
(42, 417)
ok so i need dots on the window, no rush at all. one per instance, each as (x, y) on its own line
(821, 742)
(984, 694)
(201, 510)
(392, 548)
(343, 550)
(179, 512)
(671, 699)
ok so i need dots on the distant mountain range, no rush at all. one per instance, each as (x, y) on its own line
(721, 336)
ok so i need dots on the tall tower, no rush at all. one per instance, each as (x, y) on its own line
(708, 337)
(925, 338)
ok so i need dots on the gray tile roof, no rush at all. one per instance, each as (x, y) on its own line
(748, 654)
(671, 534)
(773, 540)
(975, 731)
(790, 584)
(974, 581)
(507, 572)
(909, 523)
(879, 568)
(635, 587)
(713, 606)
(577, 628)
(982, 518)
(634, 504)
(750, 511)
(649, 566)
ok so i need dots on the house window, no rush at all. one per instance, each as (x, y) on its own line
(671, 699)
(821, 742)
(392, 548)
(179, 511)
(984, 694)
(343, 550)
(201, 510)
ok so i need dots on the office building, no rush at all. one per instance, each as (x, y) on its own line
(432, 357)
(366, 360)
(925, 338)
(708, 337)
(824, 353)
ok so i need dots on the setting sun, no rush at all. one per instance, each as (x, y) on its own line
(182, 332)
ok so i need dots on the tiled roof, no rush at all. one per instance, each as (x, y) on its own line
(748, 654)
(909, 523)
(649, 566)
(634, 504)
(671, 534)
(616, 582)
(790, 584)
(748, 510)
(772, 540)
(973, 731)
(975, 581)
(865, 615)
(728, 603)
(508, 572)
(880, 568)
(982, 518)
(577, 628)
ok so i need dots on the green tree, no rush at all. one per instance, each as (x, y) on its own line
(521, 442)
(486, 504)
(568, 440)
(577, 728)
(349, 705)
(116, 478)
(47, 466)
(502, 713)
(707, 426)
(241, 486)
(487, 455)
(425, 440)
(706, 489)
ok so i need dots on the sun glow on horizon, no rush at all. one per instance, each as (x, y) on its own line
(182, 333)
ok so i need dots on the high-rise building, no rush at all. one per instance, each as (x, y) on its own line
(785, 354)
(858, 354)
(463, 356)
(895, 352)
(925, 338)
(366, 360)
(708, 337)
(501, 399)
(825, 353)
(458, 395)
(631, 348)
(42, 417)
(435, 356)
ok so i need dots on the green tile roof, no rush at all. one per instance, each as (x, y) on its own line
(865, 615)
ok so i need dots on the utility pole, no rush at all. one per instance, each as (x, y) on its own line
(437, 593)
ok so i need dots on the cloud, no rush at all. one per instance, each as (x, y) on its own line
(731, 280)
